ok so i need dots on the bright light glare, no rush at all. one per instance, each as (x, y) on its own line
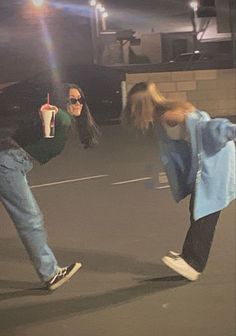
(38, 3)
(99, 6)
(102, 9)
(105, 14)
(93, 3)
(194, 5)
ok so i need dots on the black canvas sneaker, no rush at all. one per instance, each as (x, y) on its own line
(63, 275)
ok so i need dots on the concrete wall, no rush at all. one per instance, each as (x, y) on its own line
(151, 47)
(213, 91)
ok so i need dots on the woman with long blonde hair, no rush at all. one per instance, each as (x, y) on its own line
(146, 105)
(198, 155)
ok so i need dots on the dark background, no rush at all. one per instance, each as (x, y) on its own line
(28, 44)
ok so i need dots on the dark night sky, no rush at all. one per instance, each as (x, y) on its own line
(21, 39)
(162, 15)
(23, 46)
(143, 15)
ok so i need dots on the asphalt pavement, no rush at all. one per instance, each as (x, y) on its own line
(111, 209)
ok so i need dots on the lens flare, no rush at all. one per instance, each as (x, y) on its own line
(73, 9)
(50, 50)
(38, 3)
(80, 10)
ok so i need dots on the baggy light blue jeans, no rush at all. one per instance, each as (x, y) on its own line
(23, 209)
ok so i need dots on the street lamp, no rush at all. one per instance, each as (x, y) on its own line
(98, 26)
(94, 30)
(35, 9)
(102, 9)
(38, 3)
(99, 6)
(194, 8)
(93, 3)
(99, 16)
(104, 23)
(194, 5)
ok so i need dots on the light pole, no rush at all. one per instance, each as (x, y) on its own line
(104, 23)
(194, 7)
(93, 22)
(98, 25)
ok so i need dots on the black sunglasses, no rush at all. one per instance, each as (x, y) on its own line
(73, 101)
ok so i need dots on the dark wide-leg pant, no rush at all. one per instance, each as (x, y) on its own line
(198, 241)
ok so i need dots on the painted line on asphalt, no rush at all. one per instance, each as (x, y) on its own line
(67, 181)
(164, 187)
(131, 181)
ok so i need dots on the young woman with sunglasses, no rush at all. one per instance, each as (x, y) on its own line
(198, 155)
(18, 143)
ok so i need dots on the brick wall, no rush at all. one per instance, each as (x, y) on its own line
(213, 91)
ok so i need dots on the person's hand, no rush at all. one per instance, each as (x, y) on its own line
(173, 118)
(49, 107)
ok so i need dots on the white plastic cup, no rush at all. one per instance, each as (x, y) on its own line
(48, 116)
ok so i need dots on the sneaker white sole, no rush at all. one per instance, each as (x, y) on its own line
(185, 270)
(175, 254)
(66, 278)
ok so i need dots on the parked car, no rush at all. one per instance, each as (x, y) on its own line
(193, 57)
(102, 87)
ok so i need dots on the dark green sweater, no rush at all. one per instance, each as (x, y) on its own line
(44, 149)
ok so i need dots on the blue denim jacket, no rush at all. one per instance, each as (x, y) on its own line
(206, 164)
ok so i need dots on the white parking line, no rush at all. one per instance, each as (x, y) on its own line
(131, 181)
(164, 187)
(67, 181)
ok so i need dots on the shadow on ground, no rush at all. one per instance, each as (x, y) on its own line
(94, 261)
(34, 313)
(64, 308)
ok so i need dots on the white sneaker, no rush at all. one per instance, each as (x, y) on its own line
(173, 254)
(179, 265)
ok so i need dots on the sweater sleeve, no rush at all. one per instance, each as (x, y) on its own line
(7, 127)
(47, 148)
(216, 133)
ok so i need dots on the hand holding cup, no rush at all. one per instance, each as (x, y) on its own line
(47, 114)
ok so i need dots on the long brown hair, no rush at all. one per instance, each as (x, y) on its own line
(89, 132)
(146, 105)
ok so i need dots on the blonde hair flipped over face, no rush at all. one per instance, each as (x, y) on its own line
(155, 94)
(146, 105)
(142, 100)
